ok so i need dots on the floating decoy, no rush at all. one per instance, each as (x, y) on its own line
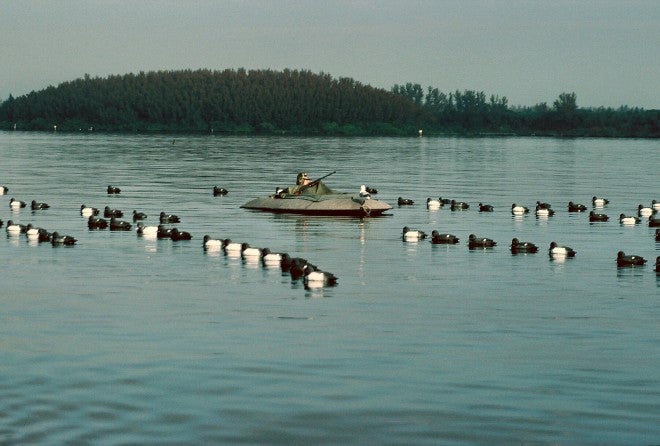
(363, 192)
(542, 205)
(299, 266)
(163, 232)
(59, 239)
(480, 242)
(269, 258)
(599, 202)
(113, 190)
(654, 222)
(211, 244)
(146, 231)
(177, 235)
(444, 201)
(108, 213)
(87, 211)
(219, 191)
(519, 210)
(15, 228)
(645, 211)
(36, 205)
(629, 260)
(560, 251)
(138, 215)
(317, 278)
(433, 204)
(3, 190)
(231, 247)
(597, 217)
(372, 191)
(119, 225)
(576, 207)
(445, 239)
(96, 223)
(485, 207)
(544, 211)
(654, 204)
(249, 251)
(413, 235)
(16, 204)
(404, 201)
(522, 247)
(37, 234)
(628, 220)
(458, 205)
(169, 218)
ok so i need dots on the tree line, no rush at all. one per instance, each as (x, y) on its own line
(301, 102)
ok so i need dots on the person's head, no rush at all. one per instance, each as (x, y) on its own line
(302, 179)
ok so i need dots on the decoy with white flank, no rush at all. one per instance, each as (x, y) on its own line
(146, 231)
(433, 204)
(15, 228)
(576, 207)
(560, 251)
(3, 190)
(623, 260)
(169, 218)
(480, 242)
(16, 204)
(249, 251)
(315, 278)
(37, 234)
(544, 211)
(519, 210)
(593, 217)
(599, 202)
(522, 247)
(364, 193)
(443, 239)
(36, 205)
(60, 239)
(628, 220)
(412, 235)
(232, 247)
(269, 258)
(645, 211)
(212, 244)
(87, 211)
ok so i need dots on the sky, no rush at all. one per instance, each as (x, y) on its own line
(605, 51)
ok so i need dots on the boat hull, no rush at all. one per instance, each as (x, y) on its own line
(332, 204)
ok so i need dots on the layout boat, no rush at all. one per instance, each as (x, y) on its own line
(319, 199)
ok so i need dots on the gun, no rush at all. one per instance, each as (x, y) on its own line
(316, 181)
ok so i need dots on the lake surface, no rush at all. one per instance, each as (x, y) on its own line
(126, 340)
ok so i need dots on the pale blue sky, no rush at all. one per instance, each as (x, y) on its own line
(607, 51)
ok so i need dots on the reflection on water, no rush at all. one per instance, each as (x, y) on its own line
(418, 343)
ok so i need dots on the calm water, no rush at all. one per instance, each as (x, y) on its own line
(124, 340)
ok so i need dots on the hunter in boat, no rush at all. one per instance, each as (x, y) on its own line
(316, 198)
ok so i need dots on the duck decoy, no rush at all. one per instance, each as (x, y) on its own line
(108, 213)
(444, 201)
(445, 239)
(560, 251)
(3, 190)
(37, 234)
(146, 231)
(16, 204)
(211, 244)
(597, 217)
(15, 228)
(544, 211)
(654, 204)
(485, 207)
(169, 218)
(480, 242)
(404, 201)
(645, 211)
(96, 222)
(542, 205)
(412, 235)
(654, 222)
(113, 189)
(139, 215)
(372, 190)
(519, 210)
(317, 278)
(433, 204)
(177, 235)
(119, 225)
(298, 268)
(363, 192)
(522, 247)
(599, 202)
(628, 220)
(576, 207)
(163, 232)
(249, 251)
(87, 211)
(219, 191)
(231, 247)
(60, 239)
(36, 205)
(623, 260)
(269, 258)
(459, 205)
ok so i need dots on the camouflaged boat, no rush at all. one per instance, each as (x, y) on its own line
(319, 200)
